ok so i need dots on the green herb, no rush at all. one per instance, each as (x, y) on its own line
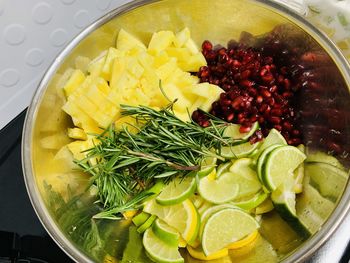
(123, 165)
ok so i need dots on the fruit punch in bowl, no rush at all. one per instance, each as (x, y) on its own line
(177, 131)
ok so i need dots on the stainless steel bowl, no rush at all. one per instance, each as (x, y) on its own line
(219, 21)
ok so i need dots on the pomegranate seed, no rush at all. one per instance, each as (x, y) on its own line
(207, 45)
(244, 129)
(275, 120)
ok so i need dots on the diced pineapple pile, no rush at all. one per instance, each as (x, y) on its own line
(134, 74)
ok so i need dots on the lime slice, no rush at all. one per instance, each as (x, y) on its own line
(232, 131)
(328, 179)
(207, 166)
(264, 207)
(262, 157)
(246, 177)
(207, 213)
(140, 218)
(183, 217)
(155, 189)
(165, 232)
(206, 205)
(245, 241)
(299, 173)
(158, 250)
(274, 137)
(198, 253)
(283, 198)
(239, 150)
(147, 224)
(251, 203)
(224, 167)
(280, 163)
(177, 191)
(322, 157)
(219, 190)
(218, 232)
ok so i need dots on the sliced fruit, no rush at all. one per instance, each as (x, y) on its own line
(74, 82)
(198, 253)
(232, 131)
(207, 213)
(142, 228)
(253, 202)
(274, 137)
(207, 166)
(141, 218)
(239, 150)
(322, 157)
(219, 232)
(155, 190)
(204, 207)
(177, 191)
(262, 157)
(246, 177)
(280, 163)
(126, 41)
(283, 198)
(222, 168)
(245, 241)
(158, 250)
(299, 173)
(219, 190)
(183, 217)
(165, 232)
(328, 179)
(264, 207)
(197, 200)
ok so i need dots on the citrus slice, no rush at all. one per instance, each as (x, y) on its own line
(274, 137)
(246, 177)
(206, 205)
(207, 166)
(207, 213)
(183, 217)
(262, 157)
(147, 224)
(232, 131)
(264, 207)
(219, 190)
(322, 157)
(197, 253)
(283, 198)
(177, 191)
(224, 167)
(299, 173)
(239, 150)
(165, 232)
(140, 218)
(280, 163)
(225, 227)
(158, 250)
(197, 200)
(245, 241)
(251, 203)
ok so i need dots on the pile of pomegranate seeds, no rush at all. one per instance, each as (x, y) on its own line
(258, 86)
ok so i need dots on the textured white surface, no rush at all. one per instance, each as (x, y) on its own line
(32, 33)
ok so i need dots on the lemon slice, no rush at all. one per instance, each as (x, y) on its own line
(225, 227)
(219, 190)
(177, 191)
(245, 241)
(197, 253)
(280, 163)
(165, 232)
(183, 217)
(158, 250)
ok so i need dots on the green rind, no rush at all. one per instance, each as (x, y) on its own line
(262, 158)
(180, 198)
(141, 218)
(147, 224)
(235, 151)
(170, 238)
(250, 204)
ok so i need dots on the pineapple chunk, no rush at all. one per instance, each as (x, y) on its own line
(74, 81)
(118, 72)
(82, 63)
(54, 142)
(160, 41)
(173, 93)
(77, 148)
(207, 91)
(145, 60)
(126, 41)
(193, 63)
(160, 59)
(134, 67)
(95, 66)
(107, 66)
(182, 37)
(77, 133)
(191, 46)
(164, 71)
(181, 54)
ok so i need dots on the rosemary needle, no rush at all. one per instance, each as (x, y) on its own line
(124, 165)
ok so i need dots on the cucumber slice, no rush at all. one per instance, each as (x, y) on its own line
(239, 150)
(329, 180)
(233, 132)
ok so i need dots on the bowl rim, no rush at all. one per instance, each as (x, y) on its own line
(304, 252)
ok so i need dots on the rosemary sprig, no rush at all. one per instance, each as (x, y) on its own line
(124, 164)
